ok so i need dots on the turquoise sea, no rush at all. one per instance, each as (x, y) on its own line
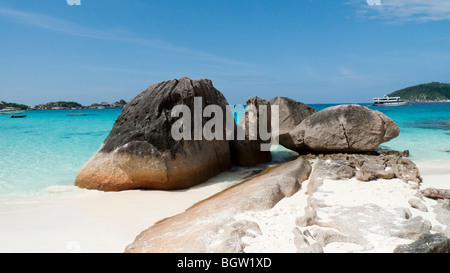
(44, 151)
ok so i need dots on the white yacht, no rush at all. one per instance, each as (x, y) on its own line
(11, 111)
(388, 101)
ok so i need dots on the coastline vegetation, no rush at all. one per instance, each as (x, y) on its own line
(62, 105)
(429, 92)
(13, 105)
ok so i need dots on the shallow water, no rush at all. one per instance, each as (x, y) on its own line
(424, 130)
(45, 150)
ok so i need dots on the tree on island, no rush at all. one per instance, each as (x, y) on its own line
(13, 105)
(75, 105)
(60, 104)
(434, 91)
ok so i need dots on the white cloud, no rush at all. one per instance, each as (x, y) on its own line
(405, 10)
(118, 35)
(48, 22)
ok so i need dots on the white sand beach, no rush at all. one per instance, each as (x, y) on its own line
(93, 221)
(435, 174)
(96, 222)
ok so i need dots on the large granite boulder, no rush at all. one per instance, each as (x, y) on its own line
(247, 150)
(140, 151)
(292, 113)
(213, 225)
(342, 128)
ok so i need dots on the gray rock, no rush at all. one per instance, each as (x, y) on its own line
(336, 169)
(303, 245)
(374, 168)
(405, 169)
(343, 128)
(140, 151)
(345, 172)
(356, 224)
(327, 236)
(436, 193)
(247, 152)
(309, 219)
(427, 243)
(292, 113)
(442, 210)
(369, 167)
(417, 204)
(355, 221)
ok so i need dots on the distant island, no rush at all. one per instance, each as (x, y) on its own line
(59, 105)
(429, 92)
(4, 105)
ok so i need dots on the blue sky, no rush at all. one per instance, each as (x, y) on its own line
(314, 51)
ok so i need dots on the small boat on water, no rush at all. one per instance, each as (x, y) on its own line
(18, 116)
(76, 114)
(388, 101)
(11, 111)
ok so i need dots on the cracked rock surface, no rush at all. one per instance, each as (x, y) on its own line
(342, 128)
(370, 167)
(336, 212)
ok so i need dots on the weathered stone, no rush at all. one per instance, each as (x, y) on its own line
(248, 151)
(442, 210)
(302, 244)
(292, 113)
(370, 167)
(140, 151)
(355, 221)
(342, 128)
(309, 219)
(436, 193)
(406, 170)
(210, 226)
(373, 169)
(345, 172)
(427, 243)
(336, 218)
(327, 236)
(417, 204)
(405, 153)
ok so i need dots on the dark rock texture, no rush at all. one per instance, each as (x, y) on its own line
(370, 167)
(427, 243)
(140, 152)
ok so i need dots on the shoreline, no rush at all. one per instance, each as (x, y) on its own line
(106, 222)
(91, 221)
